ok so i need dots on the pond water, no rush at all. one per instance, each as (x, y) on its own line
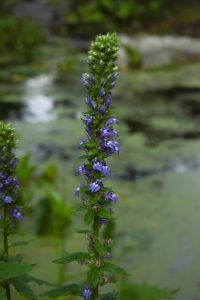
(157, 175)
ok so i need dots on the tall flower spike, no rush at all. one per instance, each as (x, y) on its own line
(10, 211)
(9, 184)
(101, 142)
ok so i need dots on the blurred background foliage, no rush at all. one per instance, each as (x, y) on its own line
(19, 37)
(86, 18)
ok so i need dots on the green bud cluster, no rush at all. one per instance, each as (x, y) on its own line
(103, 54)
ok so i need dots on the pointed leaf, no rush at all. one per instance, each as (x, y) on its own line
(22, 287)
(29, 278)
(105, 214)
(109, 267)
(11, 270)
(93, 276)
(89, 217)
(72, 257)
(71, 289)
(99, 247)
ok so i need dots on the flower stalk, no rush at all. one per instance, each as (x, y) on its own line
(100, 143)
(10, 212)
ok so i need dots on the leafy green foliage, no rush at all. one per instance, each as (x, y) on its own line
(109, 267)
(99, 247)
(101, 16)
(29, 278)
(104, 213)
(89, 217)
(93, 276)
(71, 289)
(7, 5)
(19, 38)
(22, 287)
(76, 256)
(10, 270)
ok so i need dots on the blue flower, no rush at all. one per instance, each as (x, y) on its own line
(112, 121)
(108, 102)
(7, 200)
(87, 80)
(81, 170)
(88, 120)
(114, 76)
(111, 196)
(105, 169)
(17, 213)
(97, 165)
(113, 146)
(103, 222)
(90, 103)
(87, 293)
(95, 186)
(101, 167)
(102, 92)
(108, 132)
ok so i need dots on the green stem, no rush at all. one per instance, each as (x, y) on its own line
(5, 240)
(95, 291)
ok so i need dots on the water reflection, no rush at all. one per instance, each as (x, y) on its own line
(38, 104)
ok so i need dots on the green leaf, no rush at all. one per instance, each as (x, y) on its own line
(105, 214)
(109, 296)
(2, 294)
(10, 270)
(109, 267)
(22, 287)
(99, 247)
(29, 278)
(60, 208)
(93, 276)
(72, 257)
(89, 216)
(71, 289)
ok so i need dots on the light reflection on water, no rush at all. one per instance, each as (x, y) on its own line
(38, 104)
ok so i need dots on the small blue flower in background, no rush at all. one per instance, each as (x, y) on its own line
(87, 293)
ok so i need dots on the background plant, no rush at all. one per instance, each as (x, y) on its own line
(12, 270)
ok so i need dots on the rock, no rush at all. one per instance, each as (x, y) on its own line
(161, 50)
